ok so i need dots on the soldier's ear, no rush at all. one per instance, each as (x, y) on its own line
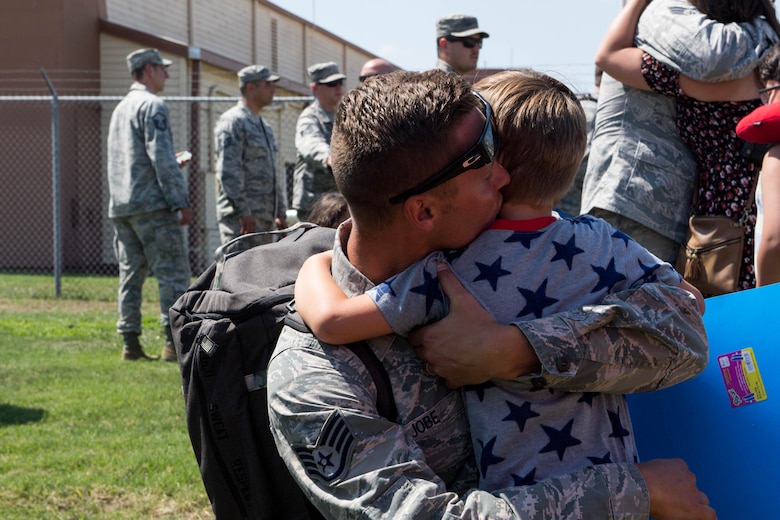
(419, 211)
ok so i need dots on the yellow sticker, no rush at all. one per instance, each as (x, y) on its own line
(742, 377)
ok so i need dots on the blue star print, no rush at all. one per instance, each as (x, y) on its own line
(606, 459)
(586, 220)
(429, 288)
(617, 427)
(524, 238)
(520, 414)
(566, 252)
(453, 254)
(386, 288)
(560, 439)
(608, 276)
(491, 273)
(621, 236)
(649, 275)
(527, 480)
(536, 301)
(587, 397)
(480, 389)
(488, 459)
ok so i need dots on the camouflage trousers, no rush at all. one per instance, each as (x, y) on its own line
(150, 241)
(663, 247)
(230, 227)
(308, 186)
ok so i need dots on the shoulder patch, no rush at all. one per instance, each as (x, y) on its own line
(160, 122)
(328, 460)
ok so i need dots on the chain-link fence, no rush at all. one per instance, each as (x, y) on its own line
(53, 156)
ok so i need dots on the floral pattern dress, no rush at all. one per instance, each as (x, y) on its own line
(724, 176)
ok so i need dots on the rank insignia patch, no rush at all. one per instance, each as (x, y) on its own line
(160, 122)
(328, 460)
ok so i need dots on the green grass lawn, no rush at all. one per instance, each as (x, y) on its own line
(84, 434)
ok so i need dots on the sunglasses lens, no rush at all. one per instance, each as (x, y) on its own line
(468, 43)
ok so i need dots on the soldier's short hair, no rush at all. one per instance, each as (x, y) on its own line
(393, 132)
(543, 133)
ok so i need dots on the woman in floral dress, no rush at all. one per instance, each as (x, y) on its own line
(707, 113)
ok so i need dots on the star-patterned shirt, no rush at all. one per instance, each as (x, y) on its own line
(524, 270)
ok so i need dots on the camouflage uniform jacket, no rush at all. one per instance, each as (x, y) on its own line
(570, 203)
(353, 463)
(638, 166)
(143, 175)
(246, 166)
(312, 146)
(443, 65)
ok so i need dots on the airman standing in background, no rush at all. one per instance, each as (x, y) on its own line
(313, 175)
(458, 41)
(249, 194)
(148, 202)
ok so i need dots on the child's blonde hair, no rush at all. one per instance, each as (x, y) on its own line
(543, 134)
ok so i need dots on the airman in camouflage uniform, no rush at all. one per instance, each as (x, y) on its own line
(353, 463)
(148, 201)
(458, 41)
(570, 203)
(640, 175)
(249, 195)
(313, 175)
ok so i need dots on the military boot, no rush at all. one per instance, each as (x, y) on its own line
(169, 352)
(132, 348)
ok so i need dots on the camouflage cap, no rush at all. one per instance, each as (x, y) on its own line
(142, 57)
(459, 26)
(325, 72)
(255, 73)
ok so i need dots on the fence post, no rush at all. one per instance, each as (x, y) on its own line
(55, 185)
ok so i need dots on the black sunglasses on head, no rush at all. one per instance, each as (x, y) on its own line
(480, 154)
(469, 43)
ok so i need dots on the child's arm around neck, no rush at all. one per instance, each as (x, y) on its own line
(332, 316)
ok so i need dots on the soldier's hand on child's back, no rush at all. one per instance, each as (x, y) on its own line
(468, 346)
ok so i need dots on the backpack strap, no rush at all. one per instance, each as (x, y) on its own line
(385, 402)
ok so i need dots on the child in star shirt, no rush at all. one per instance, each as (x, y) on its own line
(530, 263)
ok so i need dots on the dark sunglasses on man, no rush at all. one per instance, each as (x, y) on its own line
(480, 154)
(467, 42)
(334, 83)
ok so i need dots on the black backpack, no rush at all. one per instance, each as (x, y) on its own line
(225, 328)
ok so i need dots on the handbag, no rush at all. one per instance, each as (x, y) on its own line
(711, 257)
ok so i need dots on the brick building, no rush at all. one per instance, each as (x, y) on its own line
(77, 48)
